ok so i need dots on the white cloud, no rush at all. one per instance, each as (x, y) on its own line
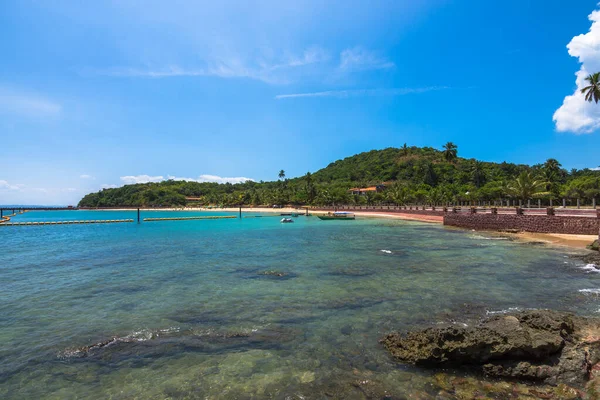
(577, 115)
(28, 104)
(109, 186)
(129, 180)
(4, 185)
(359, 59)
(312, 55)
(86, 176)
(362, 92)
(270, 70)
(132, 179)
(213, 178)
(595, 169)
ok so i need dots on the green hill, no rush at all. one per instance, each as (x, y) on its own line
(411, 174)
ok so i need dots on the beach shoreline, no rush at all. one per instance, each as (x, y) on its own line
(555, 239)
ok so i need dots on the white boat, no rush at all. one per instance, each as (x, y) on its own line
(286, 220)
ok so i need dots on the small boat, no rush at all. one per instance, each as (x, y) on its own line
(286, 220)
(341, 215)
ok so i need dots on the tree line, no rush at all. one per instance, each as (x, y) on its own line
(412, 175)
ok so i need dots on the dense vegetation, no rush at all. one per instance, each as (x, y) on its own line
(411, 175)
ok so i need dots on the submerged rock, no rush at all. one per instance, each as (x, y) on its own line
(275, 274)
(543, 346)
(595, 245)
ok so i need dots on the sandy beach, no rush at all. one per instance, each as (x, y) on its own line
(558, 239)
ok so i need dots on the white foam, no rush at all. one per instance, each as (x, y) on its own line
(590, 268)
(480, 237)
(510, 309)
(386, 251)
(592, 291)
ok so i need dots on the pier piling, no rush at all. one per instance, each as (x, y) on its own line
(138, 215)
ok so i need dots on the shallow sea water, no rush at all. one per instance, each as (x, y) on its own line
(250, 308)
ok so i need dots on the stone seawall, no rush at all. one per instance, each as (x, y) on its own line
(527, 223)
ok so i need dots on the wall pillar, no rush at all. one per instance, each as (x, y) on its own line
(578, 203)
(519, 211)
(564, 202)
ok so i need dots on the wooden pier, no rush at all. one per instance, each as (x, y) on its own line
(190, 218)
(91, 221)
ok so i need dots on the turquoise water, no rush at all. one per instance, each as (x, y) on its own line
(249, 308)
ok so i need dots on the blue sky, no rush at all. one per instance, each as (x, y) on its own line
(99, 94)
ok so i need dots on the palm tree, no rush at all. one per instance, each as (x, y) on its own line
(405, 150)
(450, 151)
(526, 186)
(478, 173)
(281, 174)
(592, 92)
(398, 194)
(552, 164)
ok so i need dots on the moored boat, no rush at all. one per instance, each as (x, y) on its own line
(286, 220)
(341, 215)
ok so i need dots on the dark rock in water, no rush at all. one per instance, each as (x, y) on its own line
(544, 346)
(273, 273)
(351, 272)
(534, 243)
(509, 230)
(346, 330)
(595, 245)
(592, 257)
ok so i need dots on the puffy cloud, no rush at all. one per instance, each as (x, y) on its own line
(109, 186)
(577, 115)
(132, 179)
(213, 178)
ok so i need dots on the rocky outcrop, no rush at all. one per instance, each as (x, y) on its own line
(595, 245)
(543, 346)
(593, 257)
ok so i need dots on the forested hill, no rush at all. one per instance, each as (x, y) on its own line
(411, 174)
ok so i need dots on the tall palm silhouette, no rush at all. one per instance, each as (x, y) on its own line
(281, 174)
(405, 150)
(592, 92)
(450, 151)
